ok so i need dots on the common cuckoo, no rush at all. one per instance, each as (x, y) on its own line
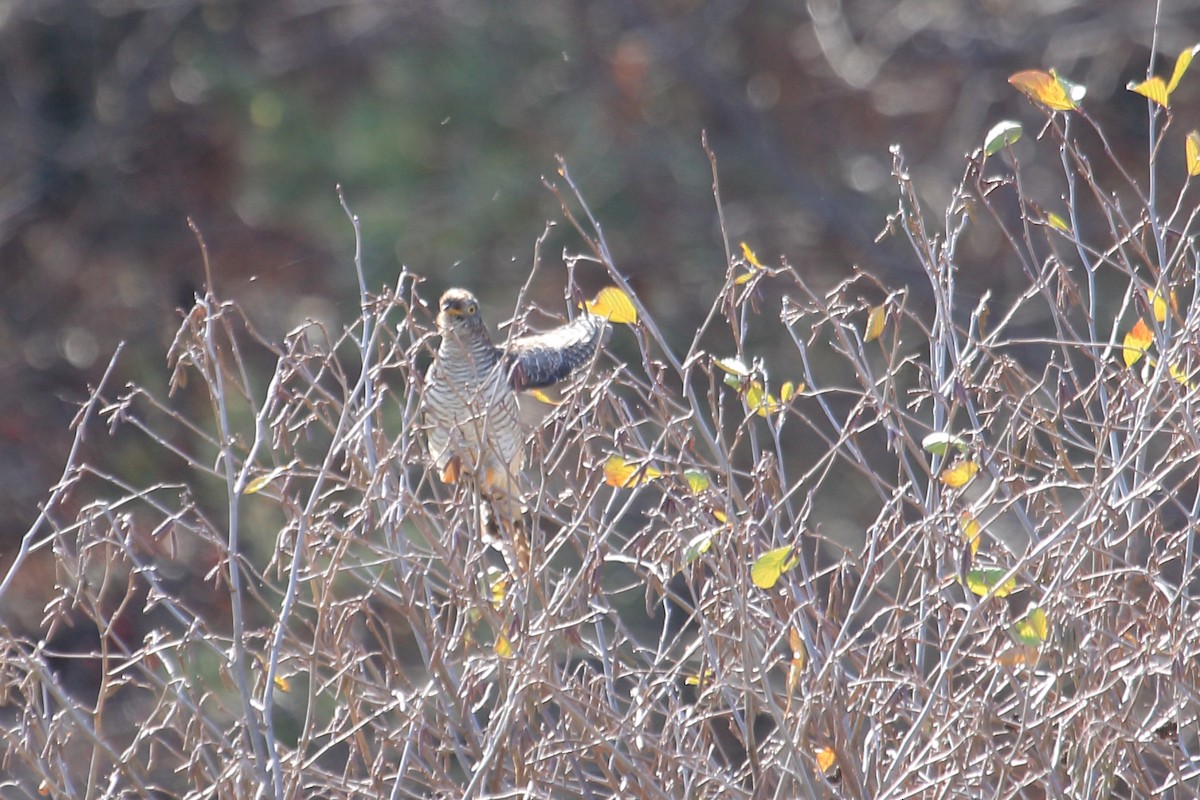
(471, 409)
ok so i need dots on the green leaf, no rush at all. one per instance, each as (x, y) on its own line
(698, 546)
(939, 443)
(1002, 135)
(1033, 629)
(697, 481)
(982, 581)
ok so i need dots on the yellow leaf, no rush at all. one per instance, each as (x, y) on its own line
(541, 396)
(982, 581)
(971, 531)
(1154, 88)
(497, 585)
(719, 515)
(960, 474)
(875, 321)
(1192, 148)
(700, 680)
(1181, 65)
(260, 483)
(1055, 221)
(1033, 629)
(1045, 88)
(503, 647)
(697, 481)
(751, 259)
(743, 278)
(788, 391)
(760, 401)
(1180, 375)
(614, 305)
(826, 760)
(281, 683)
(1160, 305)
(620, 473)
(1136, 341)
(770, 565)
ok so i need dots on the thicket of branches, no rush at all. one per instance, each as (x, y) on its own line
(359, 639)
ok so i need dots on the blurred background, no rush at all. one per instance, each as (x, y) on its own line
(122, 119)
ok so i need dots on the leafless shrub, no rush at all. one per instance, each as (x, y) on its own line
(355, 638)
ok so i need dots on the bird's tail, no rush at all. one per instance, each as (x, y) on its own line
(504, 529)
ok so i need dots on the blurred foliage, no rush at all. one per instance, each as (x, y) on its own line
(122, 119)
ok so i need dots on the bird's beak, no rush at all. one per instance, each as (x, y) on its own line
(452, 309)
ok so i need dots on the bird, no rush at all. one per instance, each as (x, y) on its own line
(471, 412)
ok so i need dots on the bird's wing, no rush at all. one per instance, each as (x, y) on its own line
(544, 359)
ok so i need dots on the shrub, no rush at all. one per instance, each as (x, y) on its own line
(306, 612)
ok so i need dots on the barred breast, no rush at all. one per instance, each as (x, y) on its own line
(471, 411)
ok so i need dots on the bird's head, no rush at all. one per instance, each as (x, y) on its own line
(458, 311)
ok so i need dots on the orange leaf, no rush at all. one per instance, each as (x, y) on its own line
(825, 759)
(1136, 341)
(620, 473)
(1045, 88)
(960, 474)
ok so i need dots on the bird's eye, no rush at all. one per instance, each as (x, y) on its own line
(471, 309)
